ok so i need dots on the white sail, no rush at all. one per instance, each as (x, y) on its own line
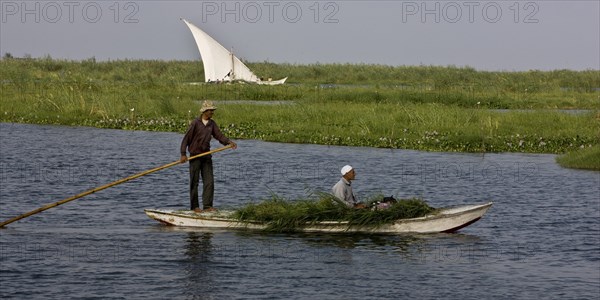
(219, 63)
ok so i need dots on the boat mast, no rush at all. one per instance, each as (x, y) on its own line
(232, 65)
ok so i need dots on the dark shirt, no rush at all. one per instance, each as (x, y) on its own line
(198, 136)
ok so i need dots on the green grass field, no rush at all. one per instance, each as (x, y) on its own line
(424, 107)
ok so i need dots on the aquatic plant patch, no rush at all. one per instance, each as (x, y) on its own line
(583, 158)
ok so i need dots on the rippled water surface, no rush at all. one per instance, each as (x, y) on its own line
(540, 240)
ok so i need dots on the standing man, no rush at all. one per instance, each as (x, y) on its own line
(197, 140)
(343, 189)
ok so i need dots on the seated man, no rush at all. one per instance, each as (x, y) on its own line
(343, 189)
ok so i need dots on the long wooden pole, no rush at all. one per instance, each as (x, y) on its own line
(51, 205)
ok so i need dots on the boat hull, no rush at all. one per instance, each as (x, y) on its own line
(273, 82)
(445, 220)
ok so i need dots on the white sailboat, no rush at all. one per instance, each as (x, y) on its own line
(220, 64)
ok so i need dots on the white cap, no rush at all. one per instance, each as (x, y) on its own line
(346, 169)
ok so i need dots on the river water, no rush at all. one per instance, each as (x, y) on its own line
(540, 240)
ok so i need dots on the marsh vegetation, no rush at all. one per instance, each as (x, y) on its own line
(423, 107)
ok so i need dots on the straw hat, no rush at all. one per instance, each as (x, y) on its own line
(207, 105)
(346, 169)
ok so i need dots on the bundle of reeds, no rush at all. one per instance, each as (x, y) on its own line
(288, 216)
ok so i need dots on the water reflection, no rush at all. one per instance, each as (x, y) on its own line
(406, 247)
(349, 241)
(198, 246)
(198, 252)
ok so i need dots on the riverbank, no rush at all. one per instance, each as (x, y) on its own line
(422, 108)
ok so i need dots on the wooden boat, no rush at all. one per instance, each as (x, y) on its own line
(444, 220)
